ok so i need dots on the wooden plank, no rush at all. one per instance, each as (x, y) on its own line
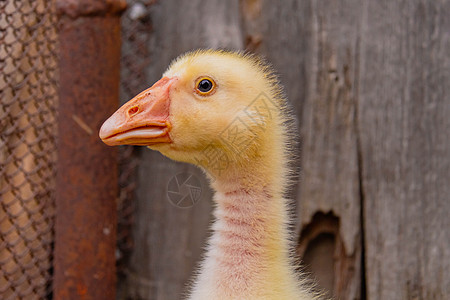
(169, 240)
(404, 109)
(314, 47)
(329, 187)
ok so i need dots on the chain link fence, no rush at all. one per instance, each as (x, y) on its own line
(28, 128)
(28, 94)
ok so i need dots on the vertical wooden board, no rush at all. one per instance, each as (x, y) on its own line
(329, 153)
(330, 170)
(169, 240)
(314, 47)
(404, 109)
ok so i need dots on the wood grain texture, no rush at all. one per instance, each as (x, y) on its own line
(313, 45)
(404, 123)
(329, 182)
(367, 81)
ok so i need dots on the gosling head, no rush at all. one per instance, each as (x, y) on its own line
(209, 105)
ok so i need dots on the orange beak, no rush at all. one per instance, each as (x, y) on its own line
(142, 121)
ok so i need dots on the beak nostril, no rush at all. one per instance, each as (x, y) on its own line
(133, 110)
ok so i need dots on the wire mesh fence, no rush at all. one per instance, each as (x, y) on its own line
(28, 130)
(28, 94)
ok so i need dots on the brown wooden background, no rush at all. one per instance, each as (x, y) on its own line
(369, 82)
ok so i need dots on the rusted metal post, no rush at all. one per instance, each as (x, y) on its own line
(86, 190)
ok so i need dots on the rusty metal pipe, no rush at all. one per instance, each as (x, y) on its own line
(86, 192)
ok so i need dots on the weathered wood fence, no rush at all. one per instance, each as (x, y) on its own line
(369, 82)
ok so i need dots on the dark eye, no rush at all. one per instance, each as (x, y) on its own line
(205, 86)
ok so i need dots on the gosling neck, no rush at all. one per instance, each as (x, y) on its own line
(249, 249)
